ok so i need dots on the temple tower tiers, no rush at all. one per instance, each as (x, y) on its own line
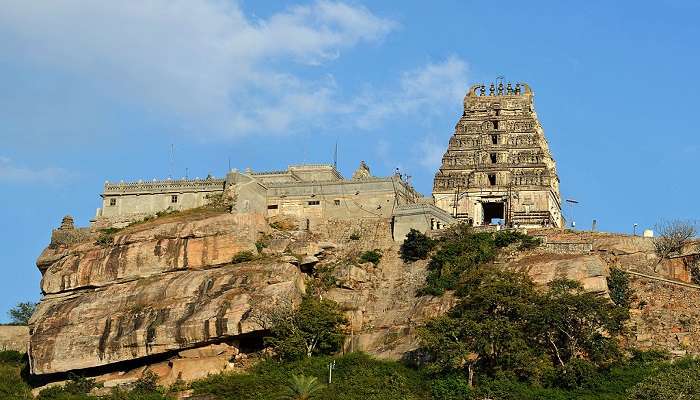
(498, 167)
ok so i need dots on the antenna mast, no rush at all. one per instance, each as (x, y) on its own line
(172, 161)
(335, 155)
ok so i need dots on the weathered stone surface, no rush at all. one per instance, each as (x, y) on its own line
(153, 315)
(14, 338)
(590, 270)
(665, 316)
(158, 304)
(167, 247)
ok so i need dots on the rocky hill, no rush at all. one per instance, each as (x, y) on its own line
(180, 293)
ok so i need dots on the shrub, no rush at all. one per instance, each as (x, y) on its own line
(12, 357)
(79, 385)
(356, 376)
(416, 246)
(682, 381)
(619, 288)
(450, 387)
(372, 256)
(301, 387)
(243, 256)
(576, 374)
(147, 383)
(259, 245)
(104, 240)
(11, 384)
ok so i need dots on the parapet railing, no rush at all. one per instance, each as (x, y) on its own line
(157, 186)
(426, 208)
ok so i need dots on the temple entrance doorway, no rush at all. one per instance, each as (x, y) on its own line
(494, 213)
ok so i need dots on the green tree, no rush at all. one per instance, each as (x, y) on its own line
(21, 313)
(416, 246)
(572, 323)
(316, 327)
(503, 325)
(302, 387)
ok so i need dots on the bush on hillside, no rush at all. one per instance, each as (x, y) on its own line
(681, 381)
(242, 256)
(372, 256)
(356, 376)
(416, 246)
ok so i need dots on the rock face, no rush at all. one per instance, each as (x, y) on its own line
(154, 315)
(164, 287)
(167, 293)
(590, 270)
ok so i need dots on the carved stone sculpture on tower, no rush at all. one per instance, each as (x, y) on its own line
(362, 172)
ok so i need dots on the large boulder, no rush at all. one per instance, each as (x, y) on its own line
(168, 312)
(136, 254)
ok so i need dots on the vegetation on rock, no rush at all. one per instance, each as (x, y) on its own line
(315, 327)
(373, 256)
(416, 246)
(619, 288)
(243, 256)
(461, 249)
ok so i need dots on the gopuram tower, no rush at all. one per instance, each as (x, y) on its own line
(498, 168)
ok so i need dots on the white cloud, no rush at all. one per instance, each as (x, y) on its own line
(202, 62)
(430, 153)
(422, 91)
(11, 173)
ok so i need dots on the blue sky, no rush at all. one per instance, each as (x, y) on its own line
(95, 91)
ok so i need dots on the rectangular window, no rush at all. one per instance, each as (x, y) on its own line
(494, 139)
(493, 158)
(112, 202)
(495, 125)
(336, 202)
(314, 202)
(272, 206)
(492, 179)
(173, 198)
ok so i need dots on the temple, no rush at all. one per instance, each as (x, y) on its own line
(498, 168)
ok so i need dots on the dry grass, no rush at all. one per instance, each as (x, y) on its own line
(191, 215)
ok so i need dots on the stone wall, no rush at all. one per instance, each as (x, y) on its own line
(568, 247)
(14, 337)
(665, 316)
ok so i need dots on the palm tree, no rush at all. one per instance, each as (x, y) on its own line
(302, 388)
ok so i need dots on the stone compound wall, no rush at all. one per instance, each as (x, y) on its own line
(14, 337)
(137, 199)
(422, 217)
(665, 316)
